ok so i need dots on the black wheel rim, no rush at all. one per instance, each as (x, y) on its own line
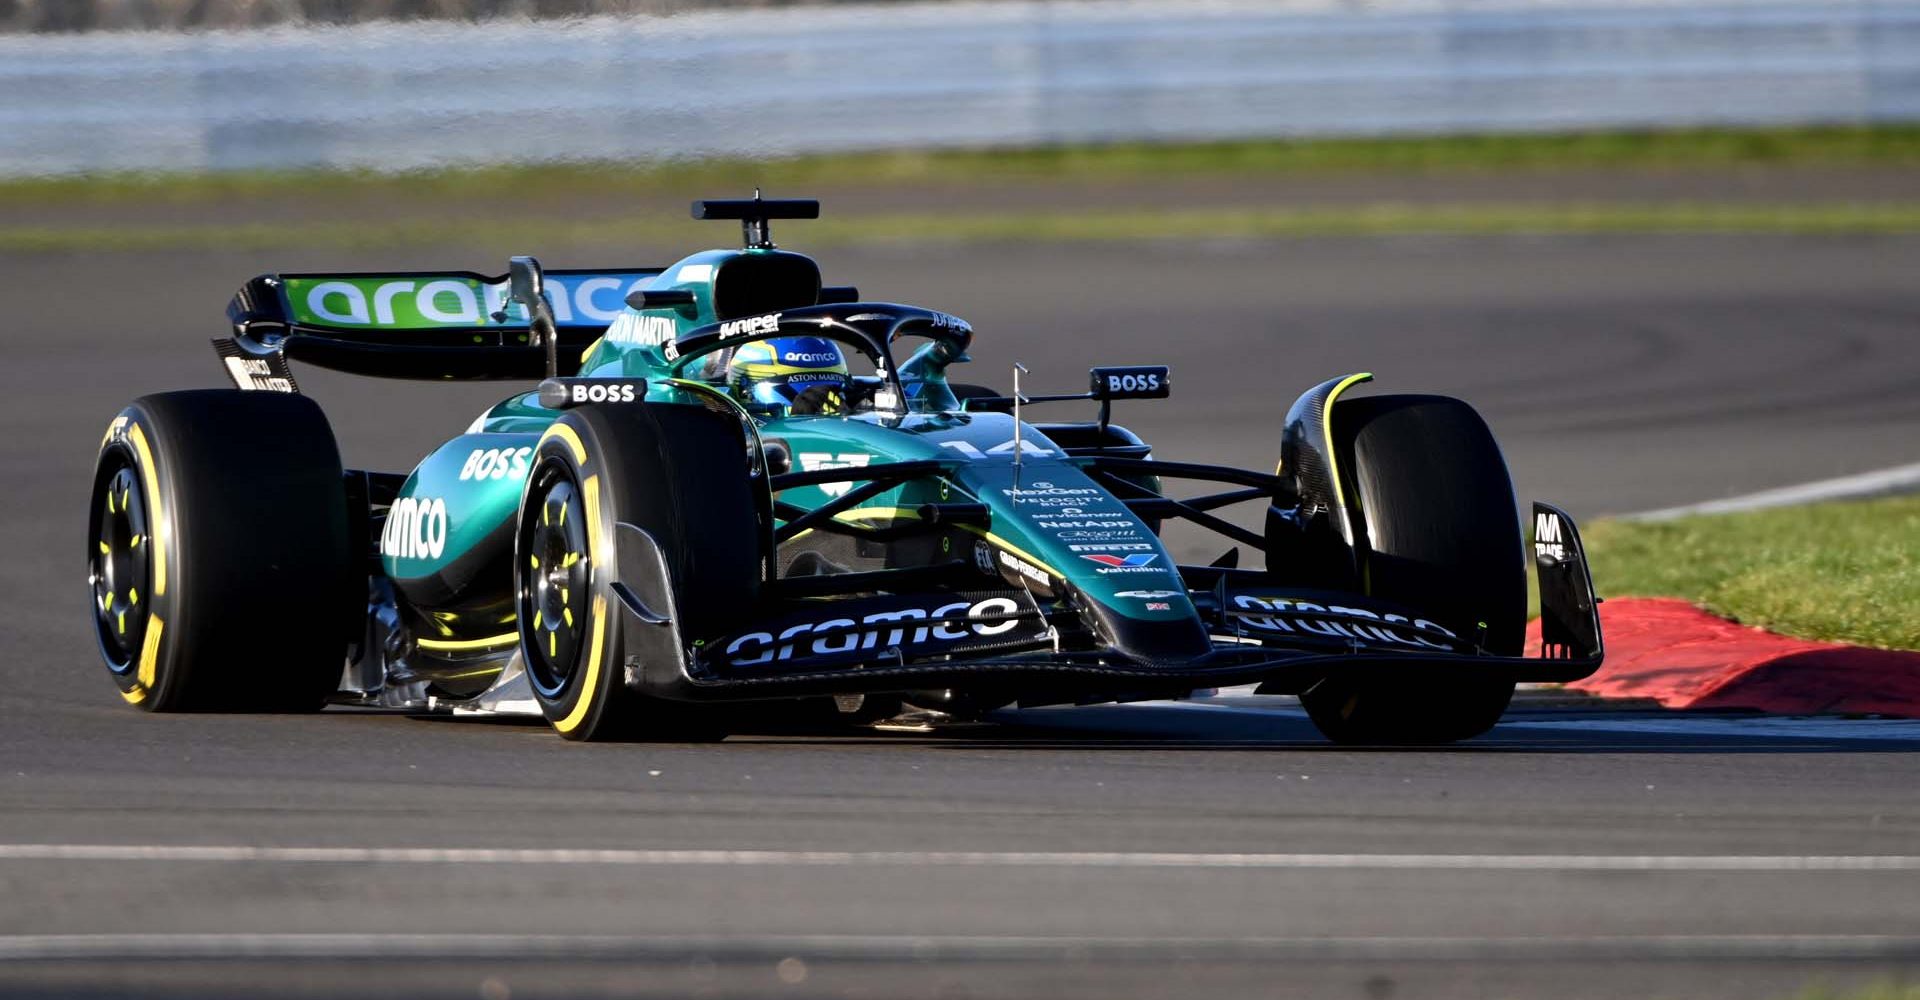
(554, 573)
(120, 566)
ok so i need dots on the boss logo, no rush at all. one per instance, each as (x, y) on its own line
(1148, 382)
(602, 393)
(560, 393)
(496, 463)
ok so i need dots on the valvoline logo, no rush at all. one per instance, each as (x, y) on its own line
(1134, 561)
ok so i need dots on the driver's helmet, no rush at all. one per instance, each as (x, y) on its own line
(785, 371)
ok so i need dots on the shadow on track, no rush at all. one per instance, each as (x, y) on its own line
(1196, 729)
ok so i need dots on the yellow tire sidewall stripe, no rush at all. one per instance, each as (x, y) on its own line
(149, 666)
(572, 440)
(1326, 431)
(590, 682)
(159, 528)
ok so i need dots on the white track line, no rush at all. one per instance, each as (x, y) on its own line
(522, 947)
(1880, 482)
(952, 859)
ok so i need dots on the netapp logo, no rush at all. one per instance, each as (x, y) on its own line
(890, 628)
(751, 325)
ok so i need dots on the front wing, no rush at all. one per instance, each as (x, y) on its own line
(1027, 651)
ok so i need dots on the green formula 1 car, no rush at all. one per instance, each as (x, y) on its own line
(725, 491)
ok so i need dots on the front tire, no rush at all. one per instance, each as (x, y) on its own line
(219, 561)
(681, 474)
(1437, 531)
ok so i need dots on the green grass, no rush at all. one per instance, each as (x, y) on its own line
(1090, 225)
(1698, 149)
(1845, 572)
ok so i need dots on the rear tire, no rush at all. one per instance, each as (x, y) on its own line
(679, 473)
(218, 553)
(1438, 531)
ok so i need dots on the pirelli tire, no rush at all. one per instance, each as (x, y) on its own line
(679, 473)
(1437, 529)
(220, 566)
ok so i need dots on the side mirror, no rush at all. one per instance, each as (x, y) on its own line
(528, 286)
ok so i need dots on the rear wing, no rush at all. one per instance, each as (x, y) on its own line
(414, 324)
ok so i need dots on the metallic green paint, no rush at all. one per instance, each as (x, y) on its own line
(1046, 514)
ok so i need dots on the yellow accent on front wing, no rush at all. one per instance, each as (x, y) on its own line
(878, 514)
(454, 645)
(157, 514)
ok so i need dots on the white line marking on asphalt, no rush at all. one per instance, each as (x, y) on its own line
(952, 859)
(521, 947)
(1880, 482)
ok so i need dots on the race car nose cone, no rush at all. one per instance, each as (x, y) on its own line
(1164, 642)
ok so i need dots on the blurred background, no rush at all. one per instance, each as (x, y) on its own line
(1669, 248)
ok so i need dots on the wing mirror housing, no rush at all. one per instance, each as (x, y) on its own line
(1134, 382)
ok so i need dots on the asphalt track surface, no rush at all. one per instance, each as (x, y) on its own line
(1108, 852)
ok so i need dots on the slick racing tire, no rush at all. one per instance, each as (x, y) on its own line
(1439, 532)
(680, 473)
(218, 554)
